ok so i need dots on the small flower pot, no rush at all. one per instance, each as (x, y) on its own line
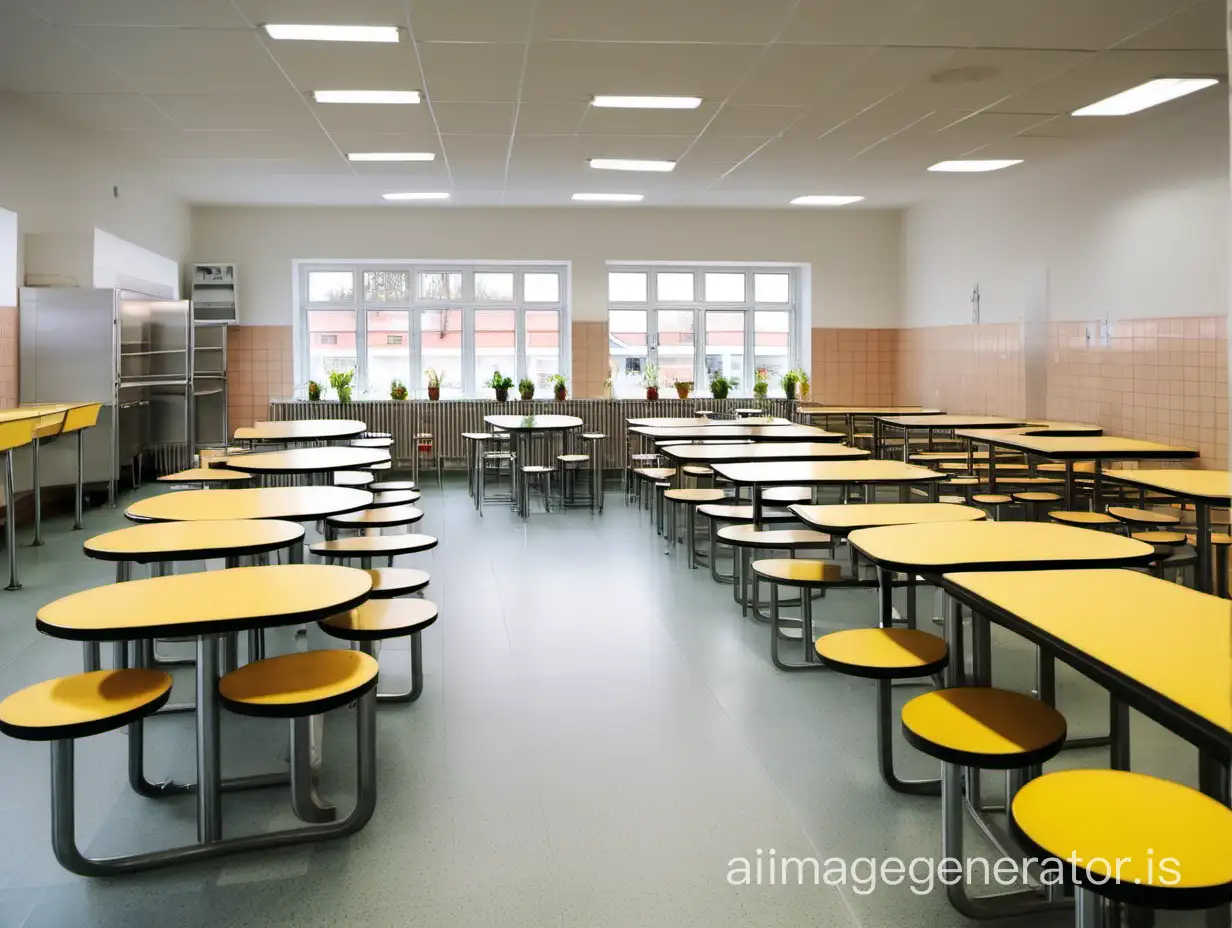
(434, 393)
(344, 394)
(527, 396)
(314, 397)
(652, 393)
(789, 390)
(502, 395)
(718, 393)
(683, 392)
(561, 394)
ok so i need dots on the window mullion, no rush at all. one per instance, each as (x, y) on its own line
(361, 350)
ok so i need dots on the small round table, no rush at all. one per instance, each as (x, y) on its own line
(522, 428)
(294, 504)
(316, 463)
(205, 605)
(302, 430)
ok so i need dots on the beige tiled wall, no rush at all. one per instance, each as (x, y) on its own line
(853, 365)
(1158, 379)
(963, 368)
(260, 368)
(8, 356)
(590, 359)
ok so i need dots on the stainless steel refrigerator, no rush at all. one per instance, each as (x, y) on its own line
(130, 351)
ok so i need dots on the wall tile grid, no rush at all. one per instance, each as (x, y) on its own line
(261, 364)
(590, 359)
(8, 357)
(1158, 379)
(853, 365)
(976, 369)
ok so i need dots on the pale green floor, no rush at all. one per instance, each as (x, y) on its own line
(600, 734)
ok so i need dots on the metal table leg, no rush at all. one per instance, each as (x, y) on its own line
(79, 498)
(10, 520)
(209, 768)
(38, 495)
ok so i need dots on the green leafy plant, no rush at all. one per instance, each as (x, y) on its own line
(683, 388)
(314, 391)
(803, 379)
(434, 377)
(720, 386)
(560, 387)
(650, 377)
(789, 382)
(397, 390)
(761, 383)
(526, 388)
(501, 384)
(341, 381)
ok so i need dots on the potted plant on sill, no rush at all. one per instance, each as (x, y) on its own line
(720, 386)
(526, 388)
(433, 377)
(501, 384)
(651, 379)
(789, 383)
(803, 390)
(560, 387)
(761, 383)
(314, 392)
(683, 388)
(397, 390)
(340, 381)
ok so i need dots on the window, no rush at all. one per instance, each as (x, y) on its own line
(464, 322)
(694, 323)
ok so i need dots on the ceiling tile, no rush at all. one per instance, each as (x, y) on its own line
(474, 174)
(612, 121)
(798, 75)
(572, 72)
(1002, 73)
(286, 110)
(347, 65)
(420, 175)
(366, 12)
(726, 149)
(183, 60)
(103, 111)
(550, 118)
(840, 22)
(472, 20)
(472, 71)
(1050, 24)
(471, 118)
(35, 57)
(734, 21)
(1199, 27)
(203, 14)
(579, 149)
(765, 121)
(339, 117)
(476, 147)
(386, 141)
(258, 145)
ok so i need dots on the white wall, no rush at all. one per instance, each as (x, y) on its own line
(8, 258)
(1134, 227)
(58, 180)
(854, 255)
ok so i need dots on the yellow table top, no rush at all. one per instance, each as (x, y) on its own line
(166, 541)
(36, 410)
(738, 430)
(1139, 630)
(952, 422)
(295, 504)
(826, 472)
(868, 411)
(205, 475)
(1094, 447)
(955, 546)
(301, 430)
(839, 520)
(206, 603)
(304, 460)
(764, 451)
(1210, 486)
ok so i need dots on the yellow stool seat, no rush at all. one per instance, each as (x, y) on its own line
(83, 704)
(1161, 537)
(1121, 828)
(389, 498)
(883, 653)
(991, 499)
(388, 582)
(384, 486)
(747, 536)
(377, 518)
(538, 469)
(1034, 496)
(1143, 516)
(698, 470)
(382, 618)
(736, 512)
(787, 495)
(372, 443)
(961, 482)
(981, 726)
(384, 465)
(373, 545)
(344, 478)
(294, 685)
(573, 458)
(1083, 519)
(804, 572)
(656, 473)
(696, 497)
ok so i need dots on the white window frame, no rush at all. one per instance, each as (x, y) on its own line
(416, 306)
(651, 305)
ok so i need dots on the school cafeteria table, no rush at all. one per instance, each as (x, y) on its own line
(934, 423)
(741, 431)
(522, 428)
(1203, 488)
(302, 430)
(773, 451)
(1097, 448)
(294, 504)
(850, 414)
(316, 463)
(681, 422)
(206, 605)
(866, 473)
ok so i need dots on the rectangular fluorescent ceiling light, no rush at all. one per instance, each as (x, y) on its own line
(366, 96)
(1144, 96)
(975, 166)
(608, 197)
(333, 33)
(647, 103)
(391, 156)
(415, 196)
(824, 200)
(630, 164)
